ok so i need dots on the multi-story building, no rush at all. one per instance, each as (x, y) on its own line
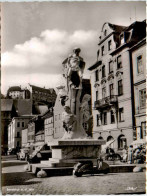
(48, 125)
(42, 96)
(15, 131)
(16, 92)
(7, 113)
(138, 63)
(112, 84)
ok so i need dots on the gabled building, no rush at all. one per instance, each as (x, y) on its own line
(138, 64)
(112, 97)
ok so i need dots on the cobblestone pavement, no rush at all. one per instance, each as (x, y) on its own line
(16, 181)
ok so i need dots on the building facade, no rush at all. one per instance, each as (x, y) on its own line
(42, 96)
(138, 59)
(48, 125)
(24, 138)
(15, 131)
(112, 85)
(7, 113)
(16, 92)
(35, 131)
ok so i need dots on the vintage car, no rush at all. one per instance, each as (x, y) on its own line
(87, 167)
(22, 154)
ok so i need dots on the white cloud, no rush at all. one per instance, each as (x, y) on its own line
(44, 55)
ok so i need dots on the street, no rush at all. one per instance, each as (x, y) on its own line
(16, 181)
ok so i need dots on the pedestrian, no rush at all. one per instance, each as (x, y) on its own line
(130, 154)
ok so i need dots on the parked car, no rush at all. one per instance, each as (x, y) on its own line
(87, 167)
(22, 155)
(40, 153)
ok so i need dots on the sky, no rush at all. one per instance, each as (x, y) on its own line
(36, 37)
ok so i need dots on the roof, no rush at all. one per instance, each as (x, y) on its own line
(23, 106)
(14, 88)
(116, 28)
(40, 132)
(48, 113)
(6, 105)
(50, 90)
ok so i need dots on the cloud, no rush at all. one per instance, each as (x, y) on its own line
(44, 55)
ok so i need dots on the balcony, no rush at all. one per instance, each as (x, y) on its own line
(105, 102)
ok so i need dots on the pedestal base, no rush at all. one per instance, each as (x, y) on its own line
(65, 153)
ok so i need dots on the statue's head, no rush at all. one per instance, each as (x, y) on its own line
(77, 50)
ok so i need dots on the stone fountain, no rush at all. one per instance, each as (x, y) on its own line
(75, 146)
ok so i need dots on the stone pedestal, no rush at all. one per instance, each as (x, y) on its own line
(65, 153)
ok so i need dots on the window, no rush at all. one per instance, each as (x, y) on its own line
(112, 117)
(111, 89)
(120, 87)
(105, 32)
(102, 50)
(121, 114)
(139, 64)
(143, 130)
(119, 62)
(122, 142)
(103, 71)
(142, 98)
(104, 92)
(104, 118)
(18, 134)
(18, 124)
(17, 143)
(96, 75)
(98, 53)
(97, 120)
(109, 44)
(96, 95)
(22, 124)
(110, 66)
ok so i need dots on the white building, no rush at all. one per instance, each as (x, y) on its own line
(15, 131)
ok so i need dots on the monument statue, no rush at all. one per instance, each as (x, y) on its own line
(73, 68)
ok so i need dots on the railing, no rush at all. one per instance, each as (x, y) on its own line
(105, 101)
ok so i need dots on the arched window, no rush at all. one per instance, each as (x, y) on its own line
(122, 142)
(110, 138)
